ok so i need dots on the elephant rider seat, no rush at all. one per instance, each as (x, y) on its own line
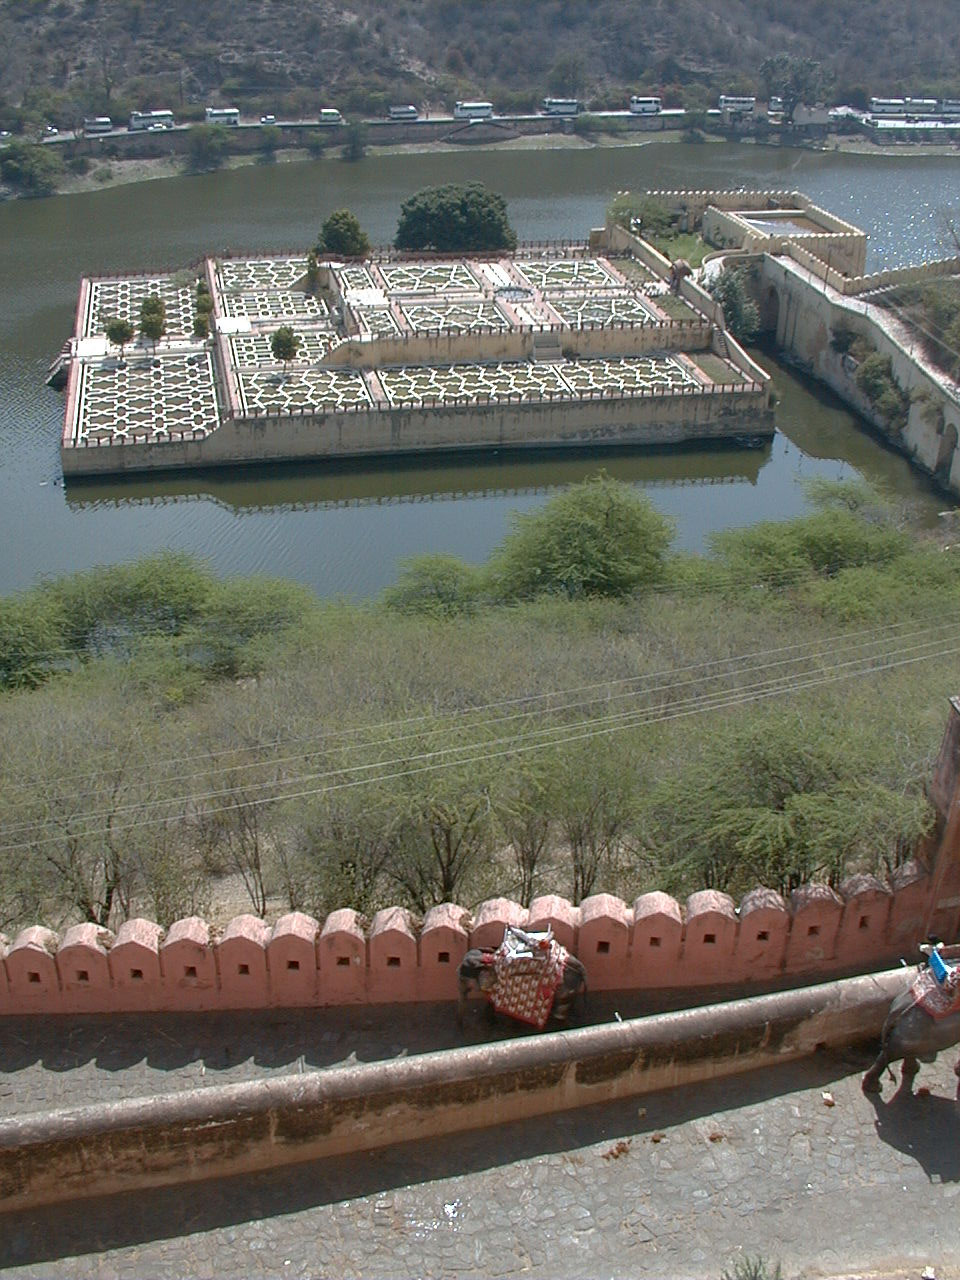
(529, 970)
(936, 988)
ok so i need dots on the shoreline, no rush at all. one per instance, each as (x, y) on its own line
(117, 173)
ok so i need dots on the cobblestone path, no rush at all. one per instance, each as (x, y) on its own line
(672, 1185)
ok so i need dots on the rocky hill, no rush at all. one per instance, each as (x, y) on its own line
(64, 58)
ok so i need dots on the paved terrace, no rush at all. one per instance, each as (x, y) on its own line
(794, 1164)
(177, 389)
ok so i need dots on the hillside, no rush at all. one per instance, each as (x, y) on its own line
(65, 58)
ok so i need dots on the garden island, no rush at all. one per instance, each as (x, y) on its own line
(308, 356)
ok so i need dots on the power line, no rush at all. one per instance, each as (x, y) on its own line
(694, 706)
(820, 651)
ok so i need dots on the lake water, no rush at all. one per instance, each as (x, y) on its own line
(342, 529)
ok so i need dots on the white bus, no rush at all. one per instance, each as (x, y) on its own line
(950, 107)
(330, 115)
(222, 115)
(921, 106)
(645, 106)
(97, 124)
(888, 107)
(151, 120)
(737, 106)
(409, 112)
(560, 106)
(473, 111)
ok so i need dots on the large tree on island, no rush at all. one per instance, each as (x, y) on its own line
(455, 219)
(120, 332)
(792, 79)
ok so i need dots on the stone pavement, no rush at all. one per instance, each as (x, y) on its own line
(676, 1184)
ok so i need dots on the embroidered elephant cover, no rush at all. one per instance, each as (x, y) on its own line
(527, 982)
(936, 999)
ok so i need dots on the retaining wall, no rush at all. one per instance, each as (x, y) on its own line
(236, 1129)
(300, 961)
(650, 416)
(806, 318)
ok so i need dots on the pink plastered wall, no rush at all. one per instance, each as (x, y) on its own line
(656, 943)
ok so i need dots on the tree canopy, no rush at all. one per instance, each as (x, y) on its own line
(153, 318)
(284, 344)
(342, 234)
(739, 309)
(794, 80)
(455, 219)
(598, 538)
(119, 332)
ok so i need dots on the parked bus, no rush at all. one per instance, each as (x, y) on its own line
(408, 112)
(330, 115)
(737, 106)
(888, 107)
(222, 115)
(473, 111)
(645, 106)
(950, 107)
(151, 120)
(921, 106)
(560, 106)
(97, 124)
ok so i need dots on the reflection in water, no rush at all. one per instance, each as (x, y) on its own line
(299, 488)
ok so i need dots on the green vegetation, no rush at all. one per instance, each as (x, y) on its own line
(284, 344)
(342, 234)
(31, 170)
(739, 310)
(153, 318)
(207, 147)
(120, 332)
(455, 219)
(604, 725)
(792, 79)
(933, 312)
(876, 379)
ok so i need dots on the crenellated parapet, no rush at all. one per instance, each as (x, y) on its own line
(655, 944)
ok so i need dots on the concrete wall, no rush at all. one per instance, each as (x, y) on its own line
(651, 944)
(805, 318)
(650, 417)
(235, 1129)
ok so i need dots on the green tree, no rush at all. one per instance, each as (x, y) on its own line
(313, 272)
(153, 318)
(455, 219)
(598, 538)
(342, 234)
(739, 310)
(34, 170)
(355, 141)
(792, 79)
(207, 147)
(435, 584)
(877, 381)
(567, 76)
(120, 332)
(284, 344)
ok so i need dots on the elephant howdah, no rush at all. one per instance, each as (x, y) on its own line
(922, 1021)
(528, 977)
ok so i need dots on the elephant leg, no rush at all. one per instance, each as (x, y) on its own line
(871, 1080)
(908, 1073)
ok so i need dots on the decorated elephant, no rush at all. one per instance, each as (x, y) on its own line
(921, 1022)
(529, 977)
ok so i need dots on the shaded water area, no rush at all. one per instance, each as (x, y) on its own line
(343, 529)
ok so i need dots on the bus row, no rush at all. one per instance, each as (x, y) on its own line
(915, 106)
(230, 116)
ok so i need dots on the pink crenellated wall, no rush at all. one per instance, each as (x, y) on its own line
(656, 944)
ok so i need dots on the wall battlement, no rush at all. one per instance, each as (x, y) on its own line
(652, 944)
